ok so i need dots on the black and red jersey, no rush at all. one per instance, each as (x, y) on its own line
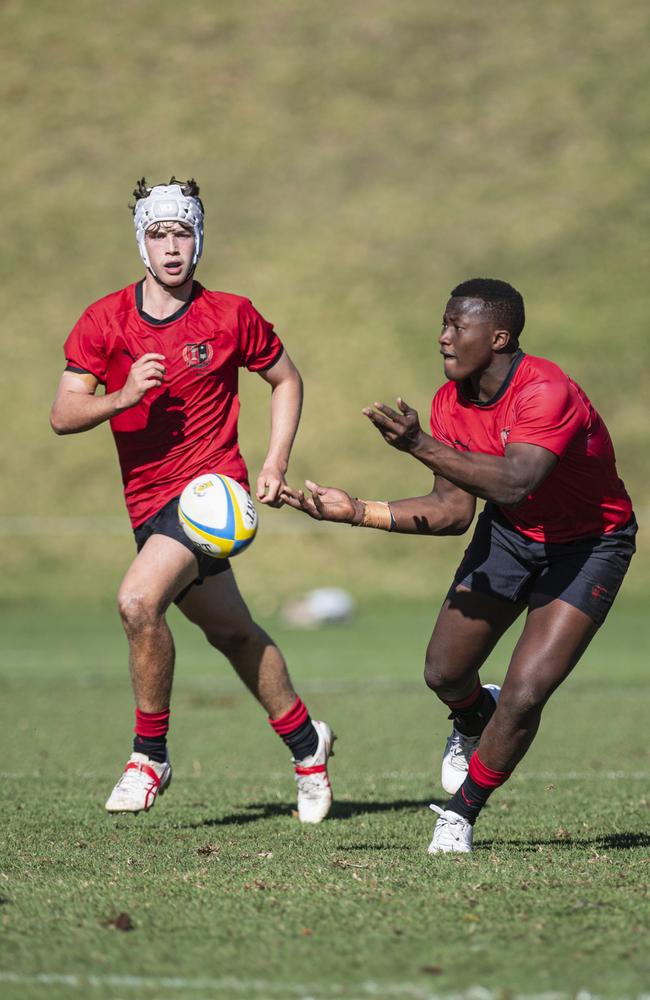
(188, 426)
(539, 404)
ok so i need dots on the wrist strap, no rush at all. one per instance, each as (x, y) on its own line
(377, 514)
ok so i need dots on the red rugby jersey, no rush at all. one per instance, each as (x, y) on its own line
(539, 404)
(188, 426)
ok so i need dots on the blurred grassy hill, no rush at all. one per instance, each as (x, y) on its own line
(356, 162)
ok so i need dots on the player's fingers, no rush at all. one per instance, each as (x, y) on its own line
(403, 405)
(290, 496)
(291, 501)
(272, 490)
(314, 487)
(388, 411)
(151, 356)
(148, 373)
(307, 504)
(379, 420)
(316, 500)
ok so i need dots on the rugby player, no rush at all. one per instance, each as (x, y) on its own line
(167, 352)
(554, 539)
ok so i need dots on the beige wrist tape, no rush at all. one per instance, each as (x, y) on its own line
(376, 514)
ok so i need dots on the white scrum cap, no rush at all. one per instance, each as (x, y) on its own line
(167, 203)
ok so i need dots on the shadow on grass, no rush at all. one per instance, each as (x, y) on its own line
(342, 810)
(608, 841)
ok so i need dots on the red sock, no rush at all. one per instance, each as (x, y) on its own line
(484, 775)
(297, 730)
(151, 734)
(293, 719)
(151, 725)
(472, 714)
(464, 703)
(476, 788)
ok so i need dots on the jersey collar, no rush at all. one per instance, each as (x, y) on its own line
(196, 288)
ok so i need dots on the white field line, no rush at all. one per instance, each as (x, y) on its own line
(260, 988)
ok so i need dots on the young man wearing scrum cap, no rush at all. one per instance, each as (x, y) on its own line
(167, 352)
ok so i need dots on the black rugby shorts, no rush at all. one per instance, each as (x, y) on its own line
(586, 573)
(165, 522)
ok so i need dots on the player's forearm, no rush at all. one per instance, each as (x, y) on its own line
(73, 412)
(488, 476)
(428, 516)
(286, 407)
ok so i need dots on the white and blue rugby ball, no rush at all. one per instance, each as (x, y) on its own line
(217, 515)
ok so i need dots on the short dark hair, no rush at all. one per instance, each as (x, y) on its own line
(142, 190)
(504, 303)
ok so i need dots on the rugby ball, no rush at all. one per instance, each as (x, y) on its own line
(217, 515)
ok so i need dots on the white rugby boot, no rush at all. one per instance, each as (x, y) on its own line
(452, 833)
(314, 789)
(142, 781)
(458, 752)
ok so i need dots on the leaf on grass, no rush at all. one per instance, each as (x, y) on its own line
(306, 931)
(431, 970)
(562, 834)
(473, 917)
(122, 922)
(265, 854)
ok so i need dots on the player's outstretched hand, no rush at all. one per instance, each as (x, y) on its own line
(400, 430)
(270, 484)
(148, 372)
(326, 503)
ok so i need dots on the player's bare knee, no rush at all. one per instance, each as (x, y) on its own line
(436, 672)
(137, 611)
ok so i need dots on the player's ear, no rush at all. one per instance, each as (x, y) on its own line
(501, 339)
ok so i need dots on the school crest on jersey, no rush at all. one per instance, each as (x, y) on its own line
(197, 355)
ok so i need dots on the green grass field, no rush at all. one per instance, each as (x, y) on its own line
(357, 161)
(229, 896)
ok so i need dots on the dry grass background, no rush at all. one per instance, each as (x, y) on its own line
(356, 162)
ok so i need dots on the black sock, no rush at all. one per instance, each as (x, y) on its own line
(473, 720)
(469, 799)
(154, 747)
(303, 742)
